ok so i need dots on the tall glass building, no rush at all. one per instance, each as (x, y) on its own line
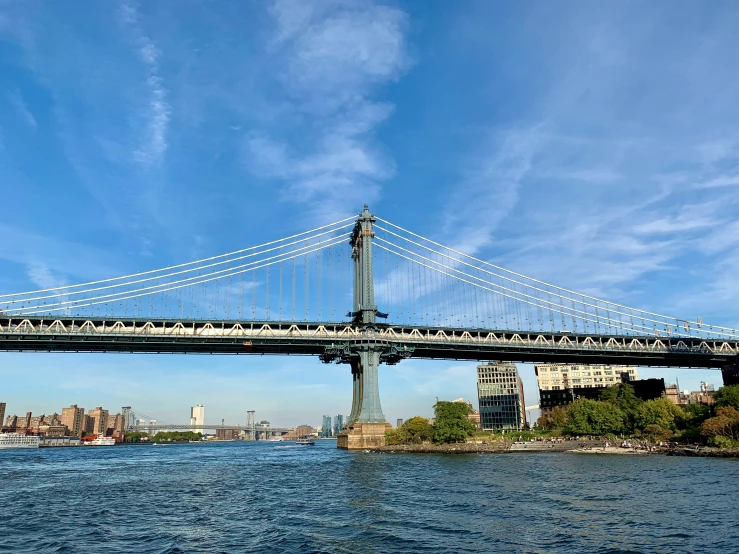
(326, 430)
(500, 397)
(338, 424)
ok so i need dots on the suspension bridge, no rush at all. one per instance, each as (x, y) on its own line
(410, 297)
(135, 420)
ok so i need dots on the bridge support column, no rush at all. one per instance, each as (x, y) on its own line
(730, 374)
(367, 426)
(356, 390)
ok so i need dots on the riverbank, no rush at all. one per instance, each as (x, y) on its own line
(491, 447)
(581, 447)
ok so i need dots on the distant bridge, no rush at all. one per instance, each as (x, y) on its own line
(188, 427)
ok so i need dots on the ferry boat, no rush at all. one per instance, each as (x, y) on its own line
(306, 441)
(16, 440)
(101, 441)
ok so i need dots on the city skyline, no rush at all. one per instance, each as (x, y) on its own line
(319, 113)
(450, 382)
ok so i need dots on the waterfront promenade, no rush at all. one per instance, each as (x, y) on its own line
(268, 497)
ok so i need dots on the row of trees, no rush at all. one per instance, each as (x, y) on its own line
(619, 411)
(451, 424)
(174, 436)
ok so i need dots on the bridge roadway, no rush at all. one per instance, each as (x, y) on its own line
(69, 334)
(188, 427)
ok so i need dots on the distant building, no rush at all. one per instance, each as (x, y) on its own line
(701, 397)
(87, 425)
(399, 423)
(34, 423)
(2, 412)
(567, 376)
(128, 417)
(197, 417)
(116, 426)
(23, 423)
(299, 431)
(302, 430)
(561, 384)
(500, 397)
(326, 431)
(338, 424)
(53, 430)
(74, 418)
(98, 422)
(227, 434)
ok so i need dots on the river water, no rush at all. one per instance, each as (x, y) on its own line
(277, 497)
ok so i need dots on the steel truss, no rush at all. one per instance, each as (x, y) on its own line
(335, 341)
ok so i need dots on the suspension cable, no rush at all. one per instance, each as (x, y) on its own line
(184, 264)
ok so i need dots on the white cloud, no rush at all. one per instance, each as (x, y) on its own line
(722, 181)
(486, 195)
(330, 57)
(16, 99)
(611, 178)
(43, 277)
(157, 111)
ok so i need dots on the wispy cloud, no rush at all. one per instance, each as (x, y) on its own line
(43, 277)
(722, 181)
(157, 111)
(16, 99)
(589, 187)
(331, 57)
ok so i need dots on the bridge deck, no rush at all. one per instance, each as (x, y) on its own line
(261, 337)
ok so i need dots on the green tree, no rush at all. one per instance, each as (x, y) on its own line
(623, 397)
(418, 430)
(727, 396)
(593, 417)
(176, 436)
(658, 433)
(659, 412)
(451, 423)
(396, 436)
(556, 419)
(134, 436)
(695, 414)
(725, 424)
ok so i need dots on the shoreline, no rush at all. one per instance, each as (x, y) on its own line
(592, 449)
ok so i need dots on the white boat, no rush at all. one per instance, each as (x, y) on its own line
(16, 440)
(276, 439)
(306, 441)
(101, 441)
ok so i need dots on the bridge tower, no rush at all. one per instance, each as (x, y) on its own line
(251, 425)
(366, 424)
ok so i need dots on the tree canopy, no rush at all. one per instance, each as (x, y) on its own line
(725, 424)
(659, 412)
(593, 417)
(451, 423)
(414, 431)
(727, 396)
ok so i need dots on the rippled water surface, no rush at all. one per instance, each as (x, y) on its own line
(272, 497)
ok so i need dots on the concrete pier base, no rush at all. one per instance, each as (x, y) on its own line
(359, 436)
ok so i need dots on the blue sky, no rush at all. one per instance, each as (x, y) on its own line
(593, 145)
